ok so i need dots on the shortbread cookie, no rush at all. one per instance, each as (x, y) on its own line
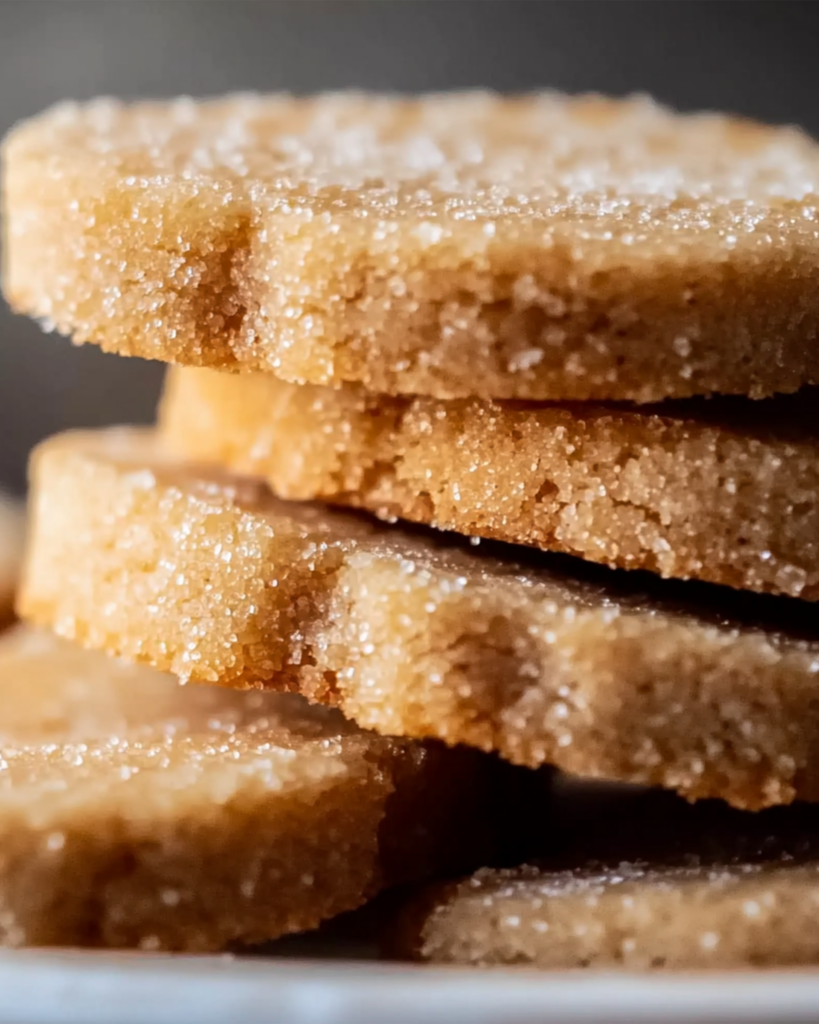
(137, 812)
(724, 490)
(11, 550)
(745, 896)
(554, 661)
(631, 915)
(539, 247)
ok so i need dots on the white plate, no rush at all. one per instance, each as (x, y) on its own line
(104, 988)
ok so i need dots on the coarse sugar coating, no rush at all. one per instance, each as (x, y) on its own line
(723, 489)
(711, 889)
(544, 659)
(136, 812)
(11, 542)
(531, 247)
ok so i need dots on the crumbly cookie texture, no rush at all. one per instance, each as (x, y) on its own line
(713, 889)
(136, 812)
(11, 544)
(555, 661)
(724, 490)
(538, 247)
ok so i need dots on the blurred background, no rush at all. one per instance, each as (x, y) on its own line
(754, 58)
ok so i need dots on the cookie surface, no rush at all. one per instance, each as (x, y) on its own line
(725, 490)
(555, 661)
(711, 890)
(11, 550)
(138, 812)
(540, 247)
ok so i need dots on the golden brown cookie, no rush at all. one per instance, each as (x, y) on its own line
(724, 490)
(711, 889)
(619, 675)
(632, 915)
(11, 550)
(537, 247)
(138, 812)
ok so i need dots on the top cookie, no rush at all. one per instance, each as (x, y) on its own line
(538, 247)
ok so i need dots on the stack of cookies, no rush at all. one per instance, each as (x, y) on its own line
(579, 336)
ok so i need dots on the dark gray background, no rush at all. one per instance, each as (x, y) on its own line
(755, 58)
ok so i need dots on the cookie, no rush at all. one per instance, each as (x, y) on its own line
(551, 660)
(537, 247)
(632, 916)
(724, 490)
(136, 812)
(747, 898)
(11, 542)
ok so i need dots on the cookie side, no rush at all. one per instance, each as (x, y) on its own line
(542, 247)
(642, 881)
(632, 916)
(701, 689)
(138, 813)
(725, 490)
